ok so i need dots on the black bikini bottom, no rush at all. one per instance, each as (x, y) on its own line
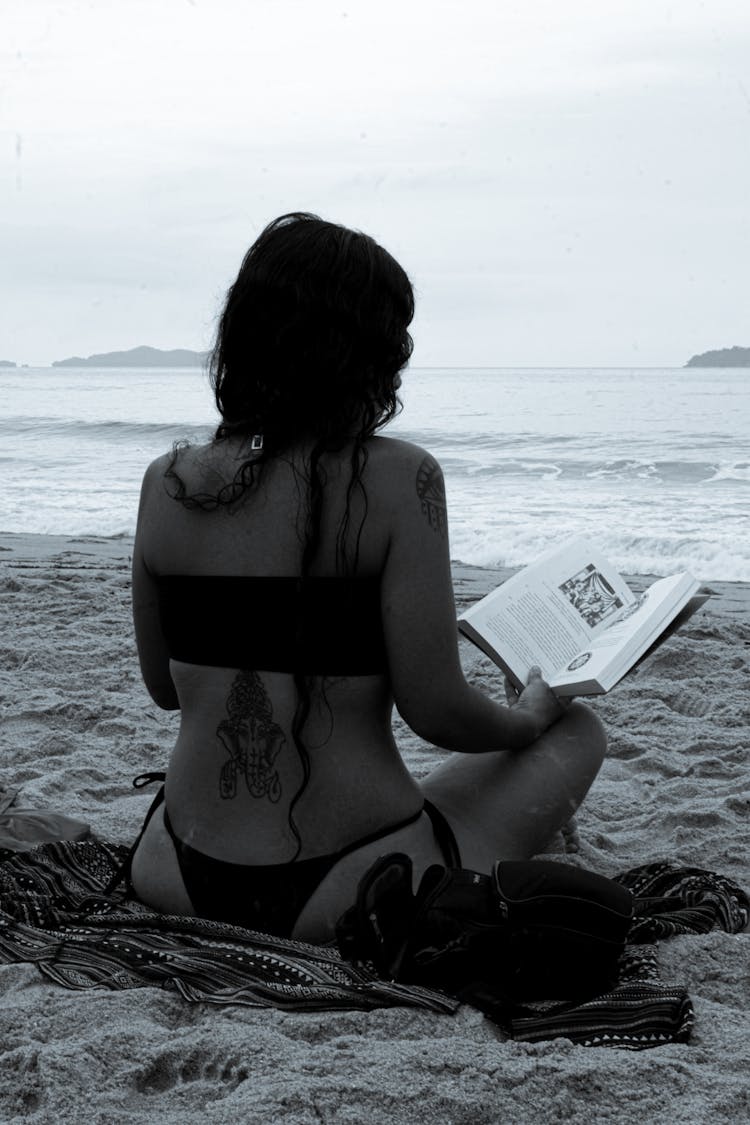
(271, 897)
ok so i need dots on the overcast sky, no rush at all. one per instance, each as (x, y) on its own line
(567, 182)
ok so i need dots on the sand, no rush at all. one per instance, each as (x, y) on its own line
(76, 725)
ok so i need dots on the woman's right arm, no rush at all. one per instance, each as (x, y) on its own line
(419, 617)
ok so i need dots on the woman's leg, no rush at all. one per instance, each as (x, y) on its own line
(502, 805)
(155, 874)
(508, 804)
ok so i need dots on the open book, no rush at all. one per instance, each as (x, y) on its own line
(572, 614)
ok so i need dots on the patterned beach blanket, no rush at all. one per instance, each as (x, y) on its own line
(53, 913)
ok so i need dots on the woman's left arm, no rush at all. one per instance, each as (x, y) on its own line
(153, 653)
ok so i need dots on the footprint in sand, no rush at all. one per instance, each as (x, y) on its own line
(692, 705)
(197, 1065)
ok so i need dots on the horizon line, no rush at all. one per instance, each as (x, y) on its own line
(411, 367)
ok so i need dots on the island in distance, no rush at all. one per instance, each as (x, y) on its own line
(138, 357)
(723, 357)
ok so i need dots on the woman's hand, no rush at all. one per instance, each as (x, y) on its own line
(537, 699)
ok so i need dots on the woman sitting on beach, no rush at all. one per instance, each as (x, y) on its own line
(291, 581)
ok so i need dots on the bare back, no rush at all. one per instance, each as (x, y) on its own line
(357, 780)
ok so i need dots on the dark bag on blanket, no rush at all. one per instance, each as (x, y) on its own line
(531, 930)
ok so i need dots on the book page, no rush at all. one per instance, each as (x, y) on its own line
(551, 611)
(614, 649)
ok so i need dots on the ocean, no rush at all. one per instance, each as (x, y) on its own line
(652, 464)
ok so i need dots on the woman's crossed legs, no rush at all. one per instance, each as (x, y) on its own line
(500, 805)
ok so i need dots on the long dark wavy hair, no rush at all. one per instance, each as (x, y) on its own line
(309, 349)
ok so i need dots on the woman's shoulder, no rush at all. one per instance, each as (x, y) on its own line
(191, 463)
(400, 474)
(158, 468)
(398, 455)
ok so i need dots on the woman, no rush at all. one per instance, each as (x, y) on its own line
(291, 580)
